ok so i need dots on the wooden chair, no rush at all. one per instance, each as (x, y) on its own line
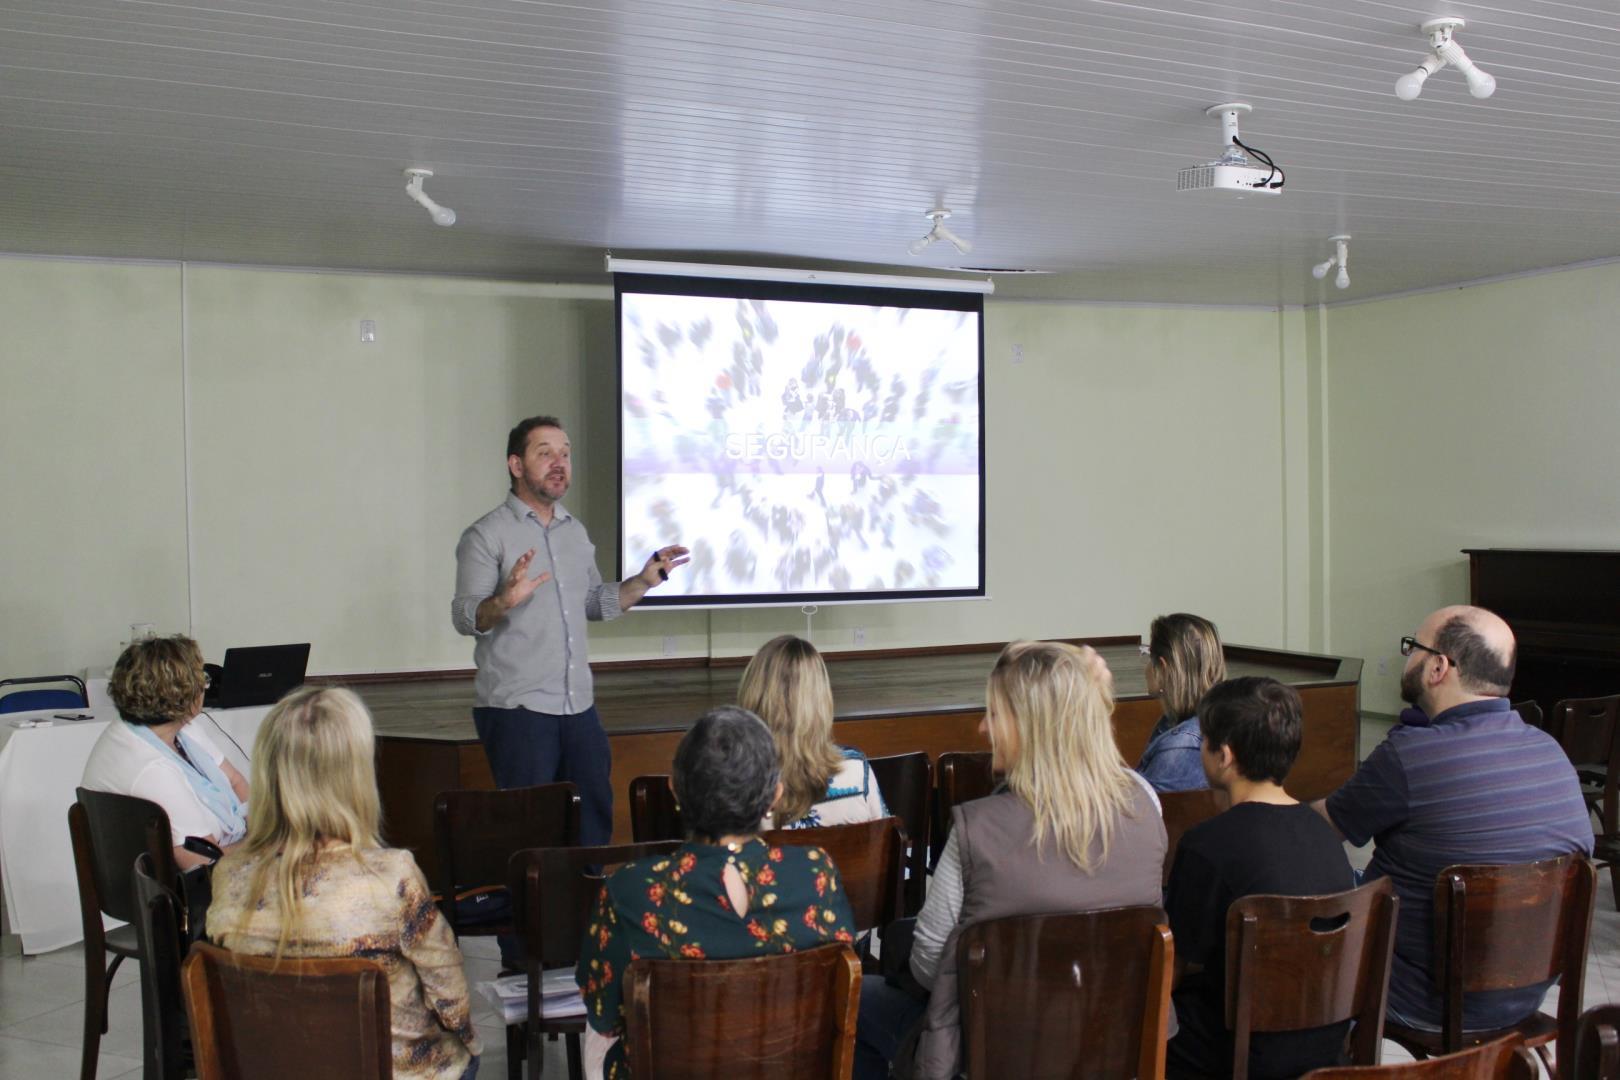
(108, 832)
(477, 832)
(1182, 810)
(959, 776)
(870, 857)
(1503, 927)
(1597, 1045)
(1096, 984)
(1589, 731)
(1504, 1059)
(258, 1018)
(792, 1014)
(1530, 712)
(1297, 962)
(553, 893)
(158, 918)
(653, 812)
(906, 781)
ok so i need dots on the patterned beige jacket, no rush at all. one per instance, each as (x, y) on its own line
(373, 904)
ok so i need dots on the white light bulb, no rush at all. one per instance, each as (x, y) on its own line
(1320, 270)
(1409, 86)
(1343, 279)
(1480, 83)
(919, 245)
(444, 216)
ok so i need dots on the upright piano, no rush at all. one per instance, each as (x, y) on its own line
(1564, 608)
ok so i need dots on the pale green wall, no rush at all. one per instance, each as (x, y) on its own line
(1142, 459)
(92, 494)
(1476, 417)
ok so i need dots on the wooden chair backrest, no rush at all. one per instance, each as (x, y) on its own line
(1501, 1059)
(1588, 729)
(1530, 712)
(1503, 927)
(163, 1004)
(1597, 1045)
(1182, 810)
(653, 812)
(906, 782)
(870, 857)
(478, 830)
(959, 776)
(108, 832)
(791, 1014)
(257, 1018)
(1089, 990)
(555, 889)
(1295, 962)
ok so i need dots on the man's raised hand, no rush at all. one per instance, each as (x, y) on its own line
(518, 586)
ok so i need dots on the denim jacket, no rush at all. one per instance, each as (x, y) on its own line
(1171, 761)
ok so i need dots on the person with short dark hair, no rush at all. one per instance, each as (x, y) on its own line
(1182, 659)
(526, 584)
(1267, 843)
(721, 895)
(1461, 779)
(154, 752)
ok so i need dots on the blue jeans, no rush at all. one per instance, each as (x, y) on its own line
(887, 1016)
(526, 748)
(472, 1069)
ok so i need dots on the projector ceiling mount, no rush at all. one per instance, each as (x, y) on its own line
(1232, 171)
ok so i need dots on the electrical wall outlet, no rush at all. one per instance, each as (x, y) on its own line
(1383, 665)
(669, 644)
(860, 635)
(1018, 354)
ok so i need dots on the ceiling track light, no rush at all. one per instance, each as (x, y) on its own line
(939, 232)
(442, 215)
(1341, 259)
(1444, 51)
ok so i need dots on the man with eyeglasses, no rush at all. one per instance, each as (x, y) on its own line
(1462, 779)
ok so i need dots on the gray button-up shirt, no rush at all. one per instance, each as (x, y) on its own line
(534, 658)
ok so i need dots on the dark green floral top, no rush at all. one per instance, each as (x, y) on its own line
(675, 906)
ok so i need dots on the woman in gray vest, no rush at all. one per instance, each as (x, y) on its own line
(1075, 829)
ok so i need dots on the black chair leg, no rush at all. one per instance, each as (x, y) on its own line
(516, 1045)
(96, 982)
(576, 1063)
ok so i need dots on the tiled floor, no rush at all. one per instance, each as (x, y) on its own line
(41, 998)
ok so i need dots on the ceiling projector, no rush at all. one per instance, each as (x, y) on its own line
(1232, 171)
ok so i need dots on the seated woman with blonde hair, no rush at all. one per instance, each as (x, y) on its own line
(313, 879)
(786, 685)
(1074, 830)
(154, 752)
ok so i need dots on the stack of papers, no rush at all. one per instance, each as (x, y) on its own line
(559, 996)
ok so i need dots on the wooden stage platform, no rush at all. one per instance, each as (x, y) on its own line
(887, 703)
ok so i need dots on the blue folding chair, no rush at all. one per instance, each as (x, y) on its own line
(30, 700)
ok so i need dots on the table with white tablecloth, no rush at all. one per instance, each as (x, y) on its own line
(40, 767)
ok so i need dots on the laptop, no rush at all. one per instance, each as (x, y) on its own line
(258, 675)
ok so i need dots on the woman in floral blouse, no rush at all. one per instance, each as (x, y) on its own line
(723, 894)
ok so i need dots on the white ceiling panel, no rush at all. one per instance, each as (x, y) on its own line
(258, 131)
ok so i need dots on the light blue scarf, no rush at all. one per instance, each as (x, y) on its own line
(208, 780)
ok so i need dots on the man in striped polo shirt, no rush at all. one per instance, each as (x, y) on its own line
(1460, 780)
